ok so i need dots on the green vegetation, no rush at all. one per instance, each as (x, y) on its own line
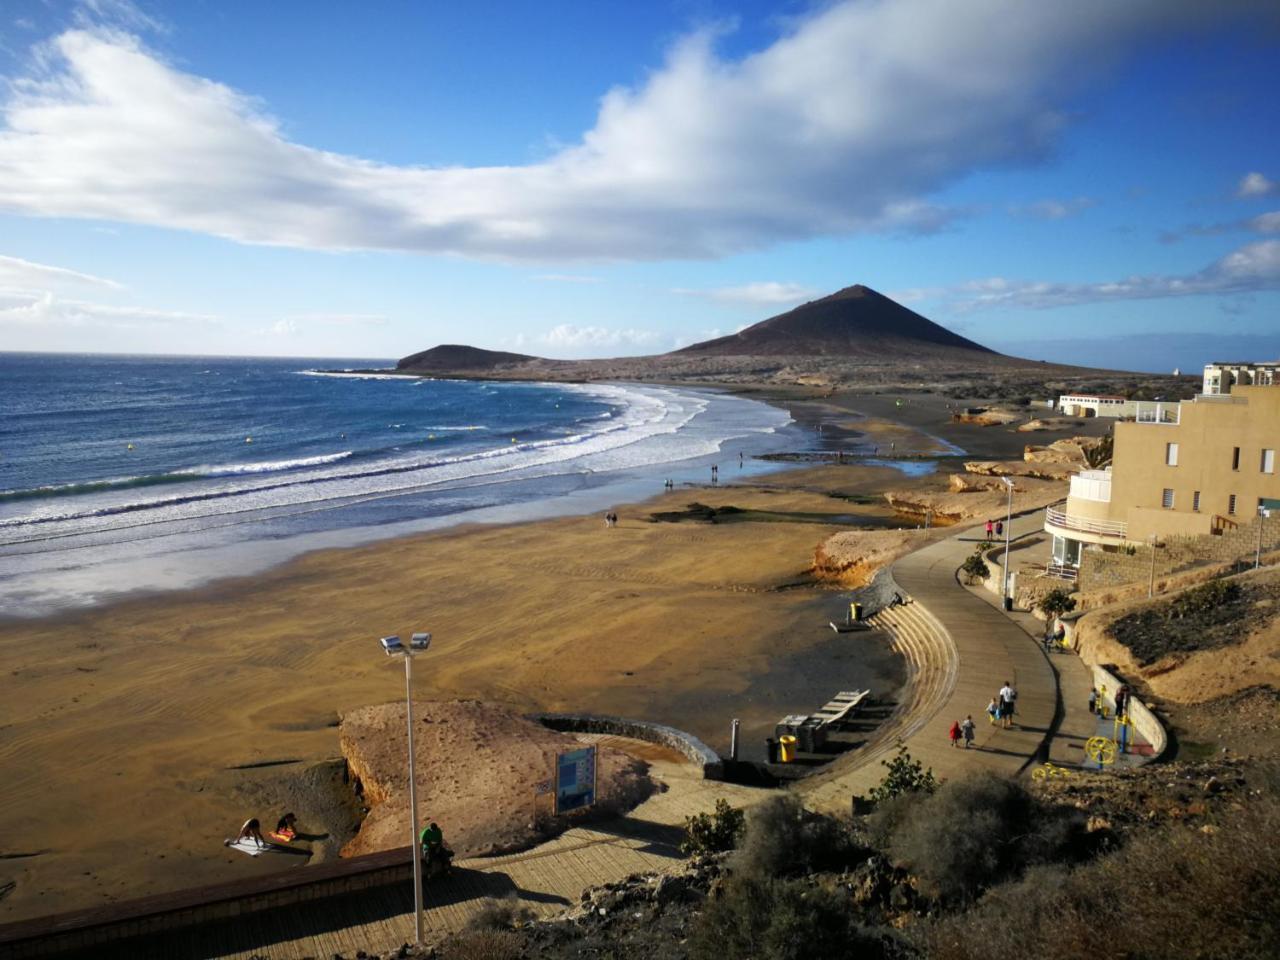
(1099, 456)
(1056, 602)
(713, 832)
(975, 568)
(902, 776)
(1201, 618)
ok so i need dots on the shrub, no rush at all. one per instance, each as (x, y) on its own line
(714, 832)
(482, 945)
(978, 830)
(903, 775)
(1056, 602)
(493, 914)
(781, 837)
(1169, 893)
(771, 919)
(975, 568)
(1207, 598)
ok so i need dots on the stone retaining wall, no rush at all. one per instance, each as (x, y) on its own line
(683, 743)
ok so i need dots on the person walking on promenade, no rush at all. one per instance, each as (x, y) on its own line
(967, 729)
(990, 528)
(993, 710)
(954, 732)
(1007, 696)
(999, 528)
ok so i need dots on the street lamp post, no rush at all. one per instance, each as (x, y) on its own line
(1151, 583)
(1008, 524)
(1262, 520)
(392, 647)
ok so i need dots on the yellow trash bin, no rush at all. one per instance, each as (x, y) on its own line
(786, 748)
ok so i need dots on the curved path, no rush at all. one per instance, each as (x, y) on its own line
(961, 649)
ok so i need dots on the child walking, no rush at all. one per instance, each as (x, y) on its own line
(954, 732)
(967, 729)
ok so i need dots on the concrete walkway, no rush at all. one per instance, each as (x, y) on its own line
(984, 647)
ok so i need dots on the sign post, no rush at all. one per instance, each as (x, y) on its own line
(575, 779)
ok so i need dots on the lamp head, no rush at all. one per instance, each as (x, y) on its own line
(392, 646)
(419, 642)
(1007, 482)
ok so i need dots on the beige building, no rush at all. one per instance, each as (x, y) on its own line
(1223, 377)
(1195, 468)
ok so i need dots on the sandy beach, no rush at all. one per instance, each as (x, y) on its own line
(137, 736)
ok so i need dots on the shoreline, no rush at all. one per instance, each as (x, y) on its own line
(142, 710)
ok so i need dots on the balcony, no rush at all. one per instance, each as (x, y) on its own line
(1083, 528)
(1158, 412)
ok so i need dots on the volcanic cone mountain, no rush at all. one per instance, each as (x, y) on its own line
(856, 322)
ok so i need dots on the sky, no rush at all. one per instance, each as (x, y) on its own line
(1093, 182)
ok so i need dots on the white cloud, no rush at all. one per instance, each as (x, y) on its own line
(24, 274)
(843, 124)
(568, 278)
(760, 293)
(1266, 222)
(569, 336)
(1252, 268)
(1054, 209)
(47, 309)
(1255, 185)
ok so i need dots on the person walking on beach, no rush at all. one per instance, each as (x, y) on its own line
(967, 729)
(954, 732)
(990, 527)
(1007, 697)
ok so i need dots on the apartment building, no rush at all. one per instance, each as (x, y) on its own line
(1222, 377)
(1194, 468)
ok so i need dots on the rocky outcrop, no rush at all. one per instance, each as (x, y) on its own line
(852, 557)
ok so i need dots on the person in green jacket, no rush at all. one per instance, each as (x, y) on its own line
(433, 849)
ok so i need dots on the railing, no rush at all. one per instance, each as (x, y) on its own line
(1061, 571)
(1158, 413)
(1066, 521)
(1220, 524)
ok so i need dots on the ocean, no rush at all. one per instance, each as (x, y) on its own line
(126, 474)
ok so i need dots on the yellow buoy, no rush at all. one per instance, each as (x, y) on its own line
(513, 439)
(130, 446)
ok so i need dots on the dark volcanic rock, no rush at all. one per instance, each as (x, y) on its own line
(449, 357)
(855, 322)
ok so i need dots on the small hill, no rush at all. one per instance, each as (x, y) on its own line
(450, 357)
(856, 322)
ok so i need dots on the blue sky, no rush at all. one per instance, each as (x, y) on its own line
(1093, 182)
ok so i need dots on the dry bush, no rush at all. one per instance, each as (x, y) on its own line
(496, 915)
(781, 837)
(482, 945)
(975, 832)
(769, 919)
(1173, 893)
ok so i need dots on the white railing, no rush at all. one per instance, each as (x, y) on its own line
(1158, 412)
(1060, 571)
(1066, 521)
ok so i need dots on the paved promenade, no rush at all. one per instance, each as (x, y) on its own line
(962, 648)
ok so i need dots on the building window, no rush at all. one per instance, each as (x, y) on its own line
(1268, 461)
(1235, 458)
(1231, 505)
(1166, 499)
(1171, 454)
(1195, 501)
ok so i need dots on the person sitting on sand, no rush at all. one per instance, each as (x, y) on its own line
(252, 830)
(286, 828)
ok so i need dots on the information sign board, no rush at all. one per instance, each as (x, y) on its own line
(575, 779)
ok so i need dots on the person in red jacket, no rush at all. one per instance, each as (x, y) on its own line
(954, 733)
